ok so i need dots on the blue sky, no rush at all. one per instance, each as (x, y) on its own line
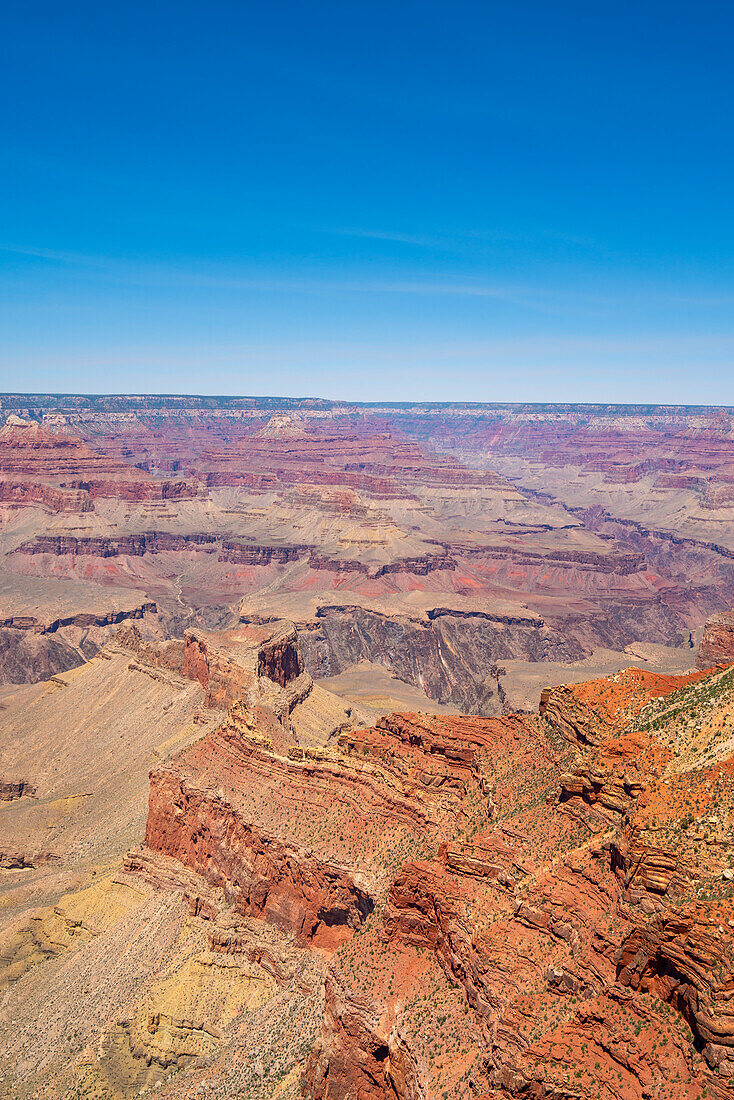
(444, 201)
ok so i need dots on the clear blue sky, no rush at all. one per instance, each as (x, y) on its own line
(455, 200)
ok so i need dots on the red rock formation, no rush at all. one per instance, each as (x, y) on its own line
(427, 563)
(717, 643)
(262, 876)
(547, 939)
(354, 1057)
(551, 897)
(279, 658)
(686, 958)
(255, 664)
(590, 712)
(61, 471)
(21, 492)
(408, 773)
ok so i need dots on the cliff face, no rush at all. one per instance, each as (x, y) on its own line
(257, 666)
(514, 907)
(682, 958)
(449, 652)
(150, 542)
(38, 466)
(526, 906)
(263, 876)
(589, 713)
(355, 1057)
(717, 643)
(37, 646)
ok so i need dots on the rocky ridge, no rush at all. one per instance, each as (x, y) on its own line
(60, 471)
(337, 905)
(581, 926)
(448, 906)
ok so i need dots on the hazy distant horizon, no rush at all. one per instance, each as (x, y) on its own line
(49, 400)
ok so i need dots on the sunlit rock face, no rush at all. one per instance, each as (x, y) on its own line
(452, 545)
(717, 643)
(368, 759)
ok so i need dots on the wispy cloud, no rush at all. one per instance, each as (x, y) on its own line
(655, 368)
(466, 238)
(193, 275)
(604, 295)
(528, 350)
(419, 239)
(75, 258)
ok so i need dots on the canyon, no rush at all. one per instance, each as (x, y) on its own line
(365, 752)
(480, 537)
(316, 903)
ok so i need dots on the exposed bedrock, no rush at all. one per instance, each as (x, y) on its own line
(553, 948)
(419, 566)
(56, 500)
(574, 717)
(59, 470)
(26, 657)
(103, 546)
(354, 1056)
(222, 808)
(255, 665)
(622, 564)
(717, 643)
(682, 957)
(238, 551)
(15, 788)
(79, 619)
(450, 656)
(671, 555)
(31, 650)
(279, 658)
(252, 553)
(261, 875)
(646, 538)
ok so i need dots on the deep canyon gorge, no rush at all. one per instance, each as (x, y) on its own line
(365, 752)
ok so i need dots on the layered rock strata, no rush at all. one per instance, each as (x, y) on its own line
(62, 472)
(717, 643)
(512, 907)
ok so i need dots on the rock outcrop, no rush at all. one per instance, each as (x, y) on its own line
(262, 876)
(530, 865)
(149, 542)
(686, 958)
(38, 646)
(717, 643)
(397, 512)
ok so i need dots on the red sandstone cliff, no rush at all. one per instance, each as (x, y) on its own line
(514, 905)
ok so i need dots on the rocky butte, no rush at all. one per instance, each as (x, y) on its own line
(717, 643)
